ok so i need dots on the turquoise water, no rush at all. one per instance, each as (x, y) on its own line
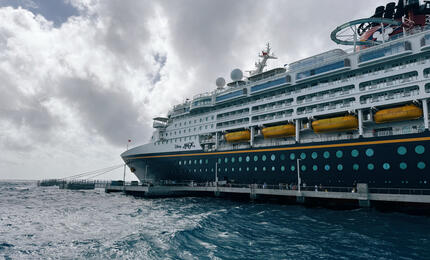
(43, 223)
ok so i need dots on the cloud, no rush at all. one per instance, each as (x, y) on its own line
(97, 78)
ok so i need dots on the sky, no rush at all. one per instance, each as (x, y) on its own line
(78, 78)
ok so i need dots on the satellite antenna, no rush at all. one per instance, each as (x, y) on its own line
(220, 82)
(236, 75)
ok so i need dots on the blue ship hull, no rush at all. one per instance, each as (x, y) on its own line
(384, 162)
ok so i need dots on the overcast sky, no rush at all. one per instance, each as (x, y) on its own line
(78, 78)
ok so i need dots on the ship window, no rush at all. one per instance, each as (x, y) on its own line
(282, 157)
(240, 169)
(339, 154)
(219, 160)
(195, 161)
(303, 156)
(327, 167)
(421, 165)
(272, 157)
(403, 166)
(226, 160)
(255, 158)
(370, 152)
(248, 158)
(354, 153)
(339, 167)
(420, 149)
(370, 166)
(326, 154)
(293, 168)
(232, 159)
(314, 156)
(180, 162)
(255, 169)
(225, 169)
(206, 161)
(264, 168)
(263, 157)
(232, 169)
(195, 170)
(402, 150)
(315, 168)
(247, 169)
(201, 161)
(283, 168)
(292, 156)
(386, 166)
(212, 169)
(355, 167)
(303, 167)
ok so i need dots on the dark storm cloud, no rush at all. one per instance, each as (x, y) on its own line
(105, 112)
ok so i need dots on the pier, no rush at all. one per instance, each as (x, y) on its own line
(360, 196)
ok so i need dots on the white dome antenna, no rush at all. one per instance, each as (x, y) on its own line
(220, 82)
(236, 75)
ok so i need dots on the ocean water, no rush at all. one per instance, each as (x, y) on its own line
(48, 223)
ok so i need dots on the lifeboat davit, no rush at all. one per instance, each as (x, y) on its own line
(408, 112)
(342, 123)
(279, 131)
(239, 136)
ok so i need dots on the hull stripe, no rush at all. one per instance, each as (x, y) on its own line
(288, 148)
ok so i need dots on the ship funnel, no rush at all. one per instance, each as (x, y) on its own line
(389, 10)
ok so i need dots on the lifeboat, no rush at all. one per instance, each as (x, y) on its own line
(279, 131)
(408, 112)
(342, 123)
(239, 136)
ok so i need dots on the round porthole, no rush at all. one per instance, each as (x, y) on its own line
(314, 155)
(263, 158)
(293, 168)
(303, 156)
(239, 159)
(354, 153)
(370, 152)
(303, 167)
(355, 167)
(370, 166)
(292, 156)
(339, 167)
(419, 149)
(386, 166)
(315, 168)
(421, 165)
(402, 150)
(326, 154)
(248, 158)
(255, 158)
(283, 168)
(327, 167)
(232, 159)
(273, 168)
(272, 157)
(339, 154)
(403, 166)
(282, 157)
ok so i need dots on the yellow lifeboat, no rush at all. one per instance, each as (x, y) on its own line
(279, 131)
(239, 136)
(342, 123)
(408, 112)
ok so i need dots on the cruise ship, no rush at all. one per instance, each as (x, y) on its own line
(357, 114)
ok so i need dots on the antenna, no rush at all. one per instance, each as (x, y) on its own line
(266, 55)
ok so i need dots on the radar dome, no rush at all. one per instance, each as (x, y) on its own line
(236, 75)
(220, 82)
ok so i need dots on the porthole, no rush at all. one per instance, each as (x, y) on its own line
(232, 169)
(273, 168)
(263, 157)
(206, 170)
(327, 167)
(282, 157)
(315, 168)
(200, 170)
(370, 166)
(212, 169)
(421, 165)
(402, 150)
(339, 167)
(247, 158)
(195, 162)
(195, 170)
(206, 161)
(283, 168)
(226, 160)
(314, 155)
(240, 169)
(326, 154)
(354, 153)
(386, 166)
(225, 169)
(419, 149)
(239, 159)
(293, 168)
(247, 169)
(185, 162)
(403, 166)
(264, 168)
(339, 154)
(272, 157)
(255, 158)
(370, 152)
(232, 159)
(292, 156)
(355, 167)
(180, 162)
(201, 161)
(189, 162)
(303, 156)
(255, 169)
(303, 167)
